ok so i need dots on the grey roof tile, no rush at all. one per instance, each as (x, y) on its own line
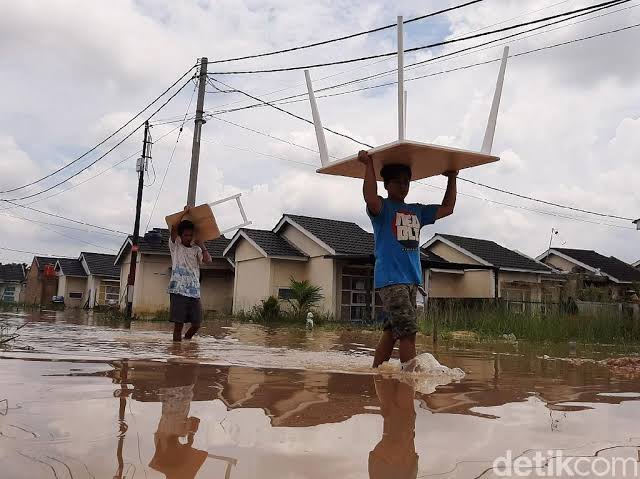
(344, 237)
(609, 265)
(72, 267)
(100, 264)
(273, 244)
(12, 272)
(495, 254)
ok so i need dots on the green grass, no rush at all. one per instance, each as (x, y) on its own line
(492, 322)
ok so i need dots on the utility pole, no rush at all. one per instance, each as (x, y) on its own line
(141, 167)
(197, 131)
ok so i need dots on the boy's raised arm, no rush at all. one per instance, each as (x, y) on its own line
(174, 227)
(206, 257)
(370, 186)
(449, 200)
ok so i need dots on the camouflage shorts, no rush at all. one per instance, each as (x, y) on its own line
(399, 302)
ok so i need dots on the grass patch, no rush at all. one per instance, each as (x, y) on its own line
(492, 322)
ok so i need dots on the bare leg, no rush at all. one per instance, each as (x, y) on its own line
(407, 348)
(384, 349)
(177, 331)
(191, 331)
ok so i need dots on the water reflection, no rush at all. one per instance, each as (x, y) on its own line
(174, 454)
(394, 457)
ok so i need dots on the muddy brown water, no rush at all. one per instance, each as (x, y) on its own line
(83, 397)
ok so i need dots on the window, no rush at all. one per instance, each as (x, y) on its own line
(109, 292)
(75, 295)
(515, 299)
(9, 294)
(356, 295)
(285, 293)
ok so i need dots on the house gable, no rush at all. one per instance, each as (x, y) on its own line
(451, 252)
(304, 242)
(616, 270)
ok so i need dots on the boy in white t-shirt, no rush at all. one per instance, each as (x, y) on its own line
(184, 285)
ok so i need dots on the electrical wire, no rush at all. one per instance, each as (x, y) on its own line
(346, 37)
(175, 145)
(550, 203)
(607, 4)
(103, 141)
(65, 218)
(359, 67)
(557, 205)
(66, 235)
(103, 155)
(297, 116)
(58, 225)
(283, 101)
(34, 253)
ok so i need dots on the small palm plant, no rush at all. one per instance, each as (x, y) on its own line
(304, 297)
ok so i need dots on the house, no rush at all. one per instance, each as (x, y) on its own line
(507, 274)
(336, 255)
(589, 270)
(153, 271)
(42, 281)
(72, 282)
(88, 281)
(12, 281)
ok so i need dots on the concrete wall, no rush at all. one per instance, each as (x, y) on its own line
(33, 289)
(281, 272)
(527, 281)
(451, 254)
(320, 271)
(72, 284)
(471, 284)
(252, 283)
(558, 262)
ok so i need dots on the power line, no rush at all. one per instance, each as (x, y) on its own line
(461, 178)
(424, 47)
(283, 101)
(268, 135)
(422, 183)
(297, 116)
(34, 253)
(103, 141)
(519, 207)
(346, 37)
(58, 225)
(464, 67)
(557, 205)
(65, 235)
(105, 154)
(65, 218)
(175, 145)
(359, 67)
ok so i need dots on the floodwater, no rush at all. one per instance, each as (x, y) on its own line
(82, 397)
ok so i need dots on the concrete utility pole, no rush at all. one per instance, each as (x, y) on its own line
(199, 121)
(141, 167)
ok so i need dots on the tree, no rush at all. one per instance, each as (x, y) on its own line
(304, 297)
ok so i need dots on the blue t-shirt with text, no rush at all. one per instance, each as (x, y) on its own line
(396, 230)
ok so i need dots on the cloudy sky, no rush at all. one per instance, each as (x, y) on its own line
(75, 71)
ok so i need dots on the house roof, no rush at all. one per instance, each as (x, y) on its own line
(45, 260)
(343, 237)
(71, 267)
(267, 242)
(13, 272)
(156, 241)
(636, 264)
(100, 264)
(493, 254)
(611, 266)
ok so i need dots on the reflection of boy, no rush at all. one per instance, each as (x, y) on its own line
(174, 459)
(394, 457)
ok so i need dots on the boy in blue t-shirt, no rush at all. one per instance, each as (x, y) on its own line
(398, 272)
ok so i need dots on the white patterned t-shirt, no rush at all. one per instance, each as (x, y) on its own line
(185, 269)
